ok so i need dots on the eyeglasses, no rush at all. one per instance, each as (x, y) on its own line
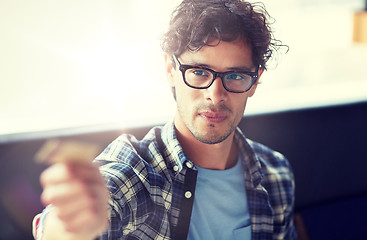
(201, 77)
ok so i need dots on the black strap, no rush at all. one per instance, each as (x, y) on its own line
(183, 224)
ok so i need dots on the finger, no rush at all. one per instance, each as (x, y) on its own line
(87, 221)
(63, 192)
(55, 174)
(81, 215)
(95, 199)
(89, 172)
(63, 172)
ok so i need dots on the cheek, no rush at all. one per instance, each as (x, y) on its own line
(182, 95)
(244, 104)
(241, 100)
(185, 93)
(240, 106)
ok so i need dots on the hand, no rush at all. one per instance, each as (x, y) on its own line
(79, 197)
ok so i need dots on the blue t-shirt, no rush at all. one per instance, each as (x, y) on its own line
(220, 208)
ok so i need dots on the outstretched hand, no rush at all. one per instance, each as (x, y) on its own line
(79, 201)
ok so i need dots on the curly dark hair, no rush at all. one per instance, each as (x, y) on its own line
(197, 23)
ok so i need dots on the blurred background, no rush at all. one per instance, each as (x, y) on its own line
(82, 63)
(72, 68)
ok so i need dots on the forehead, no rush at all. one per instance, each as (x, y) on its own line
(222, 55)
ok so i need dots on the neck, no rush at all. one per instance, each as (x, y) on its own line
(218, 156)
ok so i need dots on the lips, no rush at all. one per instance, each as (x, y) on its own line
(214, 117)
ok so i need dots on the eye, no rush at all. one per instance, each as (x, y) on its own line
(234, 76)
(200, 72)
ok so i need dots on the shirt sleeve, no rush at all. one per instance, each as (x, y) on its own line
(116, 224)
(290, 230)
(39, 223)
(119, 209)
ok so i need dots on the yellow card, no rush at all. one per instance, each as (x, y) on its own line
(54, 151)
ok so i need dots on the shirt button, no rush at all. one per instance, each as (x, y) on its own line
(188, 194)
(175, 168)
(189, 164)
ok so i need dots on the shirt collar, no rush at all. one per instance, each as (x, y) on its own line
(177, 157)
(173, 150)
(250, 160)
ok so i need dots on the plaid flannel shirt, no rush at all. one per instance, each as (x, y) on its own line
(152, 186)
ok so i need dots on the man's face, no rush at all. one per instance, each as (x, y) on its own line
(211, 115)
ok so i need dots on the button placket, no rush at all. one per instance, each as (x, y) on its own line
(187, 202)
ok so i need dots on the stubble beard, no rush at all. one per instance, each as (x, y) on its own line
(210, 138)
(211, 134)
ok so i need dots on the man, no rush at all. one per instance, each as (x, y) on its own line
(197, 177)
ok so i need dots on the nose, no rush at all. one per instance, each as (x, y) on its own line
(216, 93)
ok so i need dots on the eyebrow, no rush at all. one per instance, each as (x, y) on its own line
(235, 69)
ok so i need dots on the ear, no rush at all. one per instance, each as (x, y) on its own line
(253, 89)
(169, 68)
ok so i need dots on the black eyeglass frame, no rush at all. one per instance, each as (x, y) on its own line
(184, 67)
